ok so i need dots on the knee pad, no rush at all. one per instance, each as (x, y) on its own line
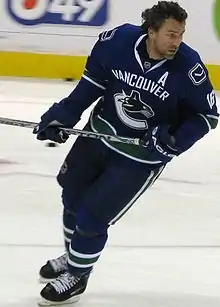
(89, 225)
(86, 234)
(69, 203)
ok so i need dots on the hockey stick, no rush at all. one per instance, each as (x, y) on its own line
(83, 133)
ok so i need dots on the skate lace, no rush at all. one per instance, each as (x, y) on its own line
(59, 263)
(64, 282)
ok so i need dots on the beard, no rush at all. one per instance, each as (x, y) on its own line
(171, 54)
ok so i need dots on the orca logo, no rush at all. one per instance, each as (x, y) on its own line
(132, 111)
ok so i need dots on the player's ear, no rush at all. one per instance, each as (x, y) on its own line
(150, 32)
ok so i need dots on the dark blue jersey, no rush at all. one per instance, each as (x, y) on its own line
(136, 92)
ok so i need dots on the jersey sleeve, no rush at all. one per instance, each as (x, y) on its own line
(91, 86)
(200, 99)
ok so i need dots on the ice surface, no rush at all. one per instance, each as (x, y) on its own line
(163, 253)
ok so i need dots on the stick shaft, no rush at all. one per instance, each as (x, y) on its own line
(82, 133)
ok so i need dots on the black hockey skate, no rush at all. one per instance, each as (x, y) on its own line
(65, 289)
(53, 268)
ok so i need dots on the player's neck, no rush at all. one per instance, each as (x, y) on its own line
(152, 51)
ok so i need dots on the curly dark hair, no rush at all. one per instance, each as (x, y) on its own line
(154, 17)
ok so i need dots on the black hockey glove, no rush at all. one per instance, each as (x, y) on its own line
(50, 131)
(160, 144)
(49, 127)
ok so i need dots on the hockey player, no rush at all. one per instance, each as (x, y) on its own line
(149, 85)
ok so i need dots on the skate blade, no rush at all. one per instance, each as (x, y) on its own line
(43, 302)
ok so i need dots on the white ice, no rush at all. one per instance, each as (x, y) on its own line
(164, 253)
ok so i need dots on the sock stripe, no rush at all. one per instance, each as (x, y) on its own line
(83, 255)
(67, 239)
(67, 230)
(80, 265)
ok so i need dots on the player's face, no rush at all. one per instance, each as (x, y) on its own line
(167, 39)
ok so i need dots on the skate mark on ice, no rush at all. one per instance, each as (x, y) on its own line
(7, 162)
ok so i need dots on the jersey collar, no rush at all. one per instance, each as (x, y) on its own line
(137, 56)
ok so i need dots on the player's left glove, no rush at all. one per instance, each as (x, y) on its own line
(160, 144)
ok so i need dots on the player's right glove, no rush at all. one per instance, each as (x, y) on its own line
(160, 144)
(50, 125)
(50, 131)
